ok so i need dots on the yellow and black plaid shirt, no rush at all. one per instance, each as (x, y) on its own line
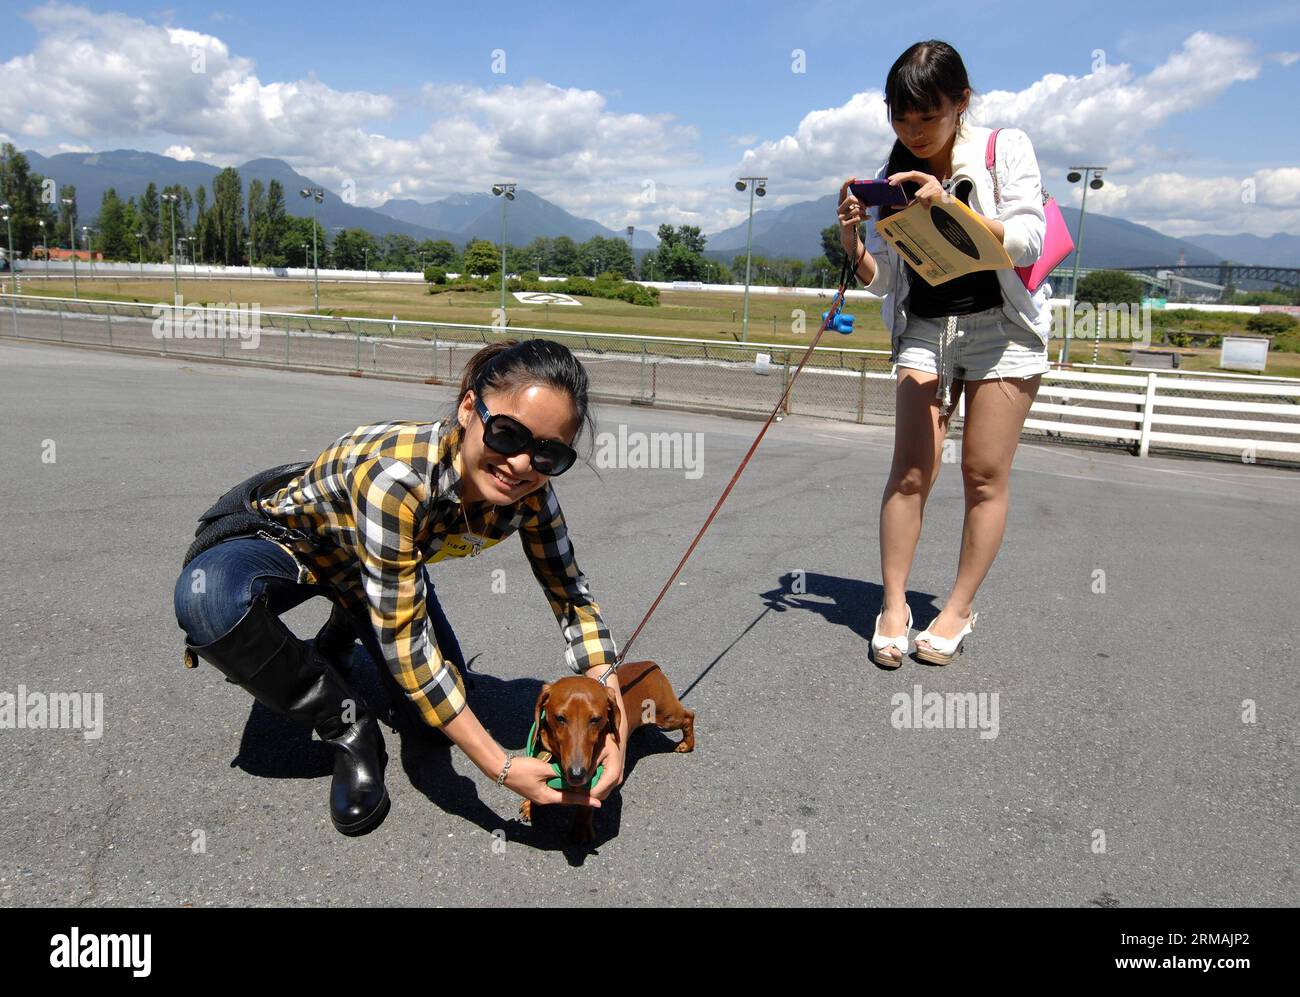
(385, 499)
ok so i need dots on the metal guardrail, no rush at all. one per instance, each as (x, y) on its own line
(837, 383)
(1251, 415)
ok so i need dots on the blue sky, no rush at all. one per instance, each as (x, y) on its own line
(600, 103)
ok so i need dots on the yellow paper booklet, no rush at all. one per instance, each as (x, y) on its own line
(943, 241)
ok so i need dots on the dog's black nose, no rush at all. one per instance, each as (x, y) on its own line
(577, 775)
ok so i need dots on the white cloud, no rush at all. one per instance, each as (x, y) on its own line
(1108, 116)
(134, 80)
(186, 93)
(1261, 203)
(143, 82)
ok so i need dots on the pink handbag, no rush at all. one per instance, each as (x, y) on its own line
(1057, 244)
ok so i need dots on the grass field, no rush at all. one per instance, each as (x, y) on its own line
(681, 314)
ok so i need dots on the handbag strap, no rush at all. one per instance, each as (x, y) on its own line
(990, 156)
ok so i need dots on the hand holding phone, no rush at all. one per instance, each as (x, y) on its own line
(878, 193)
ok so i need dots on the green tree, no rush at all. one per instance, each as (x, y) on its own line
(537, 254)
(482, 258)
(564, 257)
(274, 226)
(29, 204)
(202, 225)
(138, 251)
(1109, 287)
(296, 247)
(679, 256)
(397, 251)
(440, 253)
(832, 249)
(256, 223)
(113, 237)
(228, 215)
(354, 248)
(604, 255)
(821, 272)
(149, 214)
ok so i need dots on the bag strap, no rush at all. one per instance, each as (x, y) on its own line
(990, 163)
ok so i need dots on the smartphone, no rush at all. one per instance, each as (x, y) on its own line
(878, 193)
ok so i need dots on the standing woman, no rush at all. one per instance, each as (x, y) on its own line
(984, 333)
(358, 525)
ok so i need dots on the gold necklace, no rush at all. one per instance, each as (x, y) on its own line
(475, 543)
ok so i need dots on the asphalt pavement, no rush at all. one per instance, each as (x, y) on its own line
(1139, 632)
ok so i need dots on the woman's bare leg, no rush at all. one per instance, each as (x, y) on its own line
(995, 414)
(918, 440)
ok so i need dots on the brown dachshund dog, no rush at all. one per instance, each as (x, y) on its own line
(580, 712)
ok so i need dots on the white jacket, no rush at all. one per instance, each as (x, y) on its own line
(1020, 211)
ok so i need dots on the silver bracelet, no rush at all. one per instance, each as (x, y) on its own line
(505, 769)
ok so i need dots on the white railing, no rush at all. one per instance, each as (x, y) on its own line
(1151, 392)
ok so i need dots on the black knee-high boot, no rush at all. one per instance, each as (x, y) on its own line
(337, 638)
(286, 674)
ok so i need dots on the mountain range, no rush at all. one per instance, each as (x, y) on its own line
(793, 230)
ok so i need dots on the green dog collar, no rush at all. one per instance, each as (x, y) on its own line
(535, 748)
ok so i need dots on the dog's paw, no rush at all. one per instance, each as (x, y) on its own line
(526, 811)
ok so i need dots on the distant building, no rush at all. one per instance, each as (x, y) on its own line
(38, 253)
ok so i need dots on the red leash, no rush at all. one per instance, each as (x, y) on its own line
(836, 304)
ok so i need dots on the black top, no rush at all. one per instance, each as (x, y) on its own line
(973, 292)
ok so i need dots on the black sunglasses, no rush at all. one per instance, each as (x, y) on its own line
(508, 437)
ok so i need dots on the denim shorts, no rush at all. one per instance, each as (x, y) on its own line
(988, 345)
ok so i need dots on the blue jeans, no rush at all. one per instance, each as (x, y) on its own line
(235, 572)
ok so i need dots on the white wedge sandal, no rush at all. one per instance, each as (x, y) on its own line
(879, 643)
(943, 650)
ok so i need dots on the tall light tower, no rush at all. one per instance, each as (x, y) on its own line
(174, 200)
(317, 195)
(759, 187)
(71, 205)
(90, 248)
(13, 263)
(1076, 174)
(630, 230)
(506, 191)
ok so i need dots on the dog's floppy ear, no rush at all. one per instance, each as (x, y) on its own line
(615, 714)
(542, 698)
